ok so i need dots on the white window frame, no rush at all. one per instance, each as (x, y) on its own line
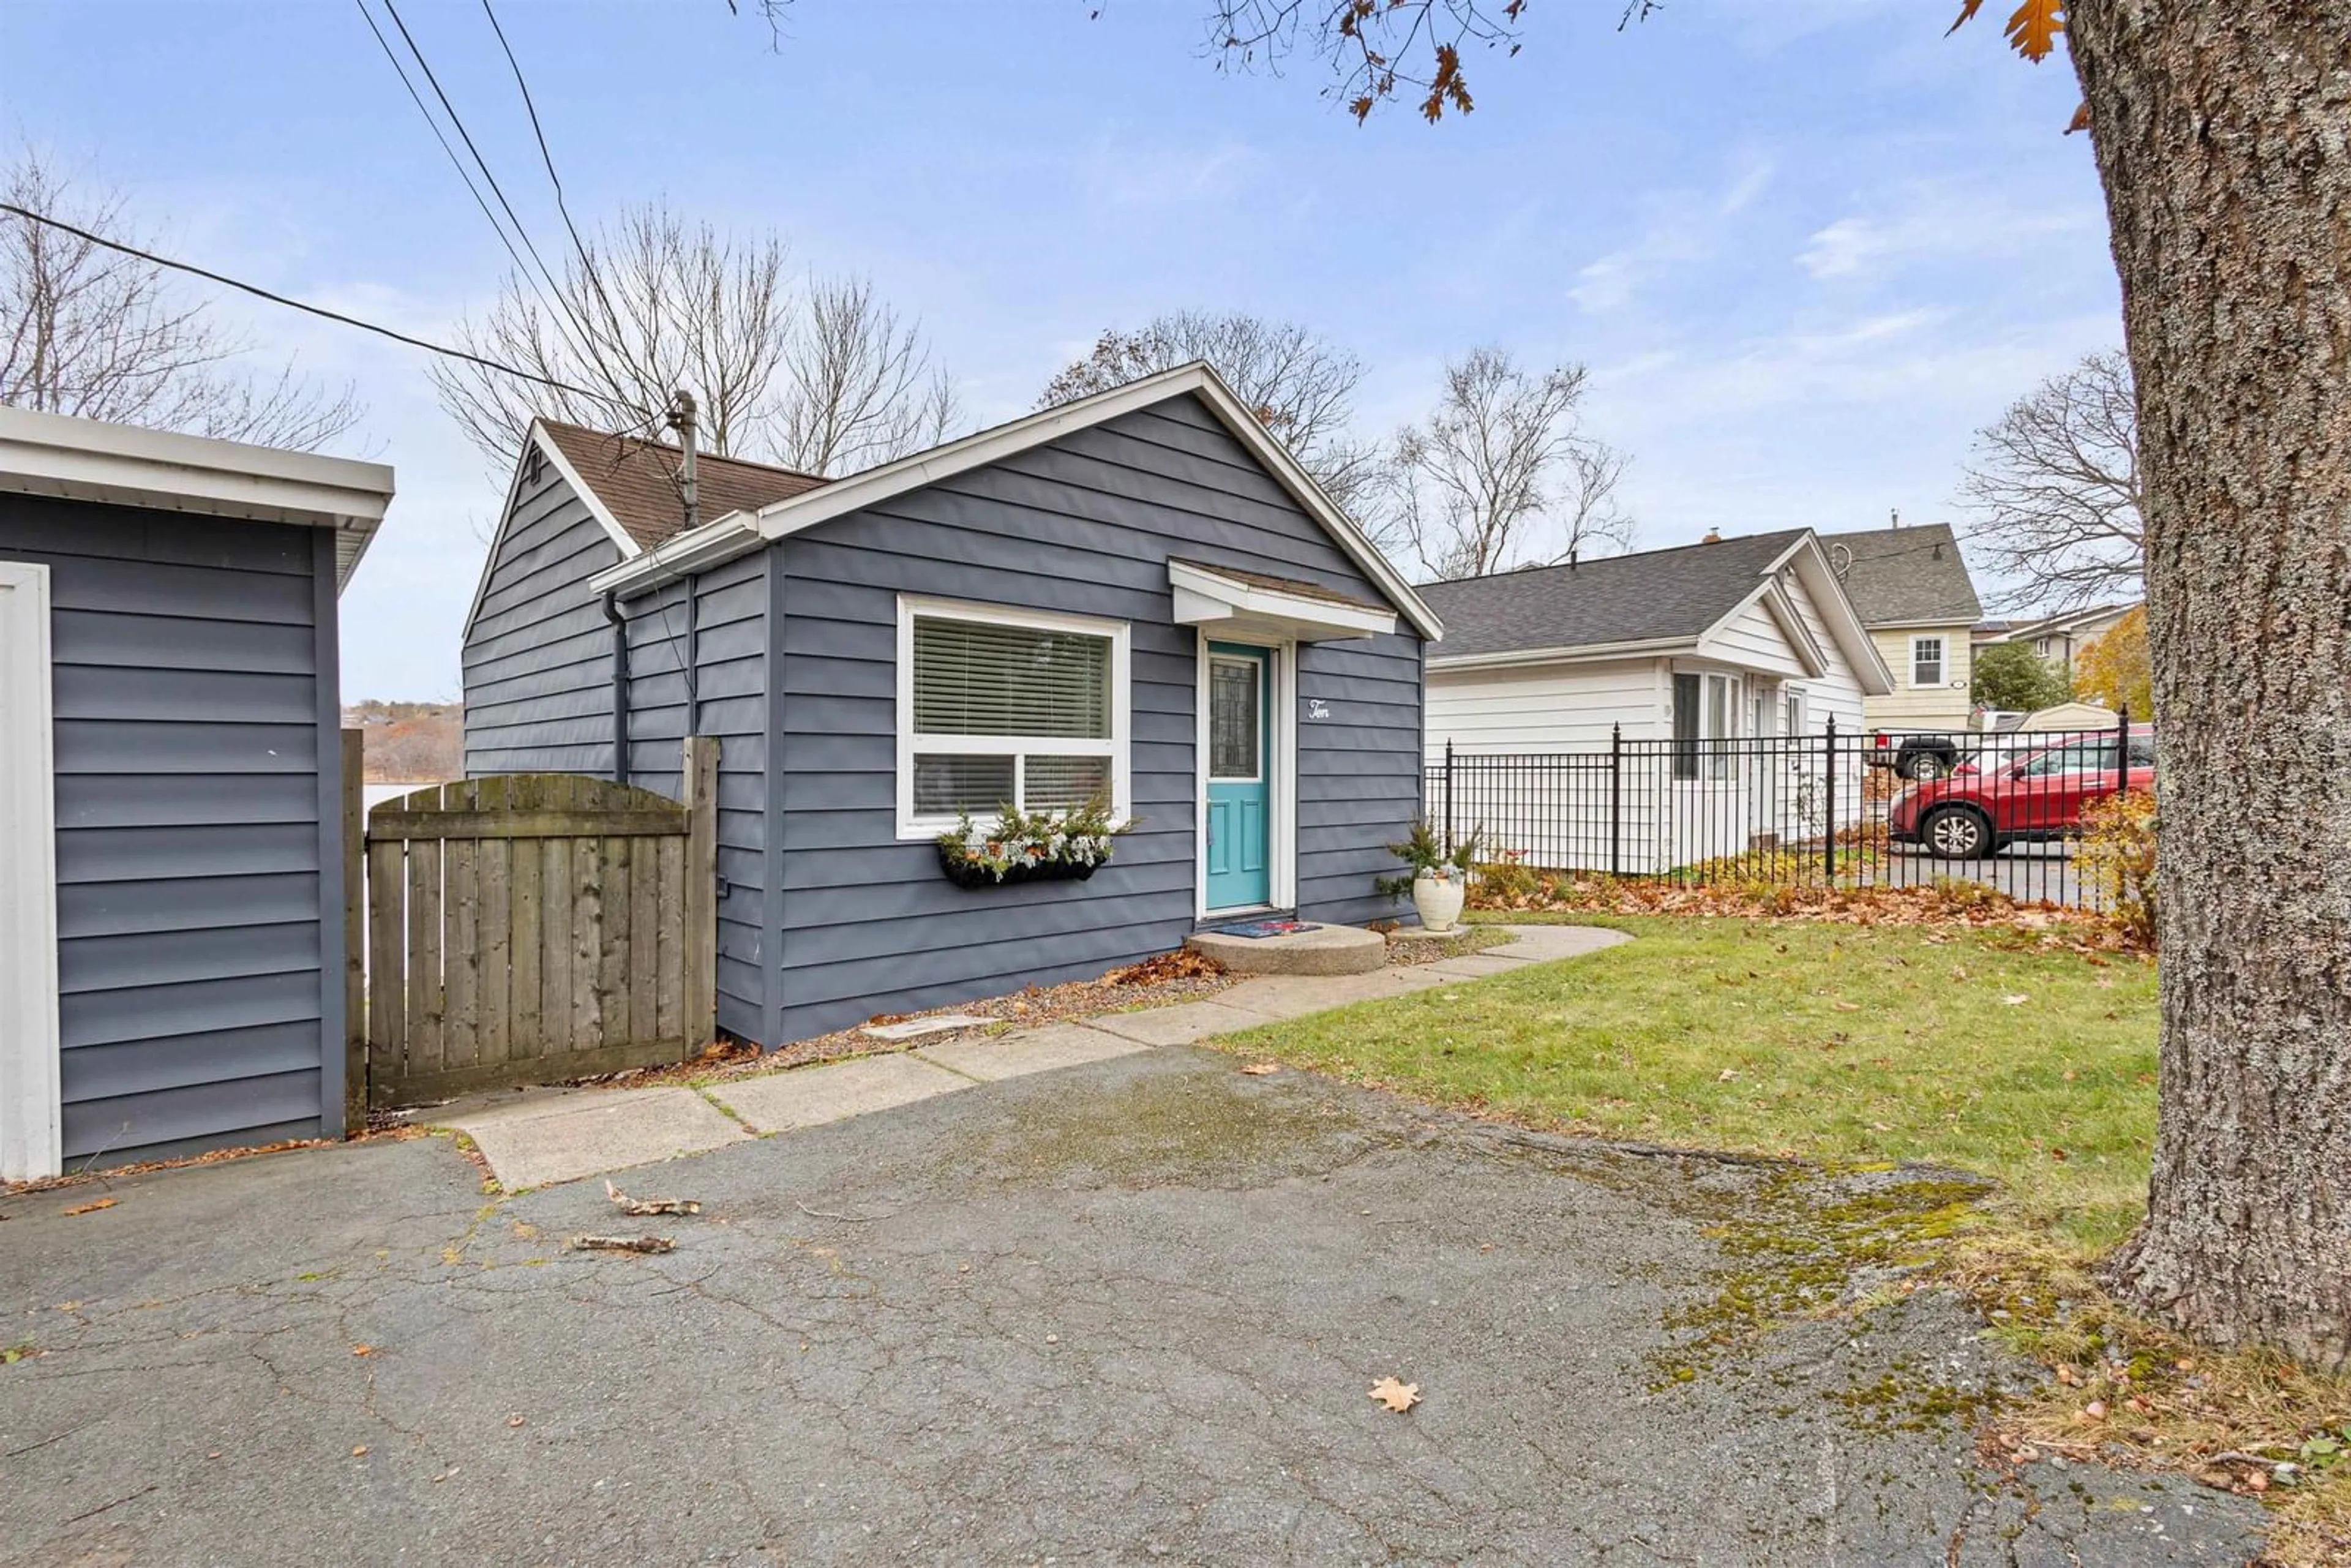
(31, 1135)
(1942, 661)
(1118, 747)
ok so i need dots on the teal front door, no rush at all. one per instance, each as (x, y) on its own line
(1240, 776)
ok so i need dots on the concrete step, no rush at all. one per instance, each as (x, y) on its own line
(1325, 950)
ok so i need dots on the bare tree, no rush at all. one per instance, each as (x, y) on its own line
(91, 332)
(1300, 386)
(818, 374)
(2055, 486)
(1500, 473)
(860, 388)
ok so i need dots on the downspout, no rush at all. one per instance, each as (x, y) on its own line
(612, 612)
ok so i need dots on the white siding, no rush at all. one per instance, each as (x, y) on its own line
(1555, 707)
(1837, 689)
(1753, 641)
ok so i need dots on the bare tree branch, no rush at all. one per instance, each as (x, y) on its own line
(820, 375)
(1501, 474)
(2054, 487)
(90, 331)
(1300, 386)
(1374, 48)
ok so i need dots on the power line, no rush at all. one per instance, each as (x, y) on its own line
(260, 293)
(521, 230)
(587, 258)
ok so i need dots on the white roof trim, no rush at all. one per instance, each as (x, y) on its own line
(587, 492)
(1791, 620)
(1207, 598)
(711, 544)
(1580, 653)
(782, 519)
(126, 466)
(1810, 565)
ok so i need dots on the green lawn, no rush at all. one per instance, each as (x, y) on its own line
(1830, 1042)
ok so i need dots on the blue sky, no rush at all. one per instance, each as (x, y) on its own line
(1806, 246)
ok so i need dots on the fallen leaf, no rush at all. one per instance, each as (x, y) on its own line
(2095, 1410)
(1846, 1006)
(363, 1350)
(2066, 1375)
(1397, 1397)
(2017, 1000)
(513, 1421)
(2257, 1480)
(1725, 1075)
(359, 1452)
(1262, 1069)
(2057, 1154)
(91, 1208)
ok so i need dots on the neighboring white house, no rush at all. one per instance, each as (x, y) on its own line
(1675, 650)
(1912, 589)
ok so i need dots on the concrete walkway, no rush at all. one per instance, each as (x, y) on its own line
(558, 1135)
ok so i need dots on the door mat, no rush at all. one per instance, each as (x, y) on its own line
(1267, 928)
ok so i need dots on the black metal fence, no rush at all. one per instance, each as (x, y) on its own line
(1840, 807)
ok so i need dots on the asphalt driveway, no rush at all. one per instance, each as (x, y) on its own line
(1126, 1312)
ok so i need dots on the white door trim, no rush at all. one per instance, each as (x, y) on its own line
(1281, 825)
(30, 1137)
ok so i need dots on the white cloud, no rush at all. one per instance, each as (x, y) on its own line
(1680, 229)
(1926, 222)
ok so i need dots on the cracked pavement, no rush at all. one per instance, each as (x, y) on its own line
(1124, 1312)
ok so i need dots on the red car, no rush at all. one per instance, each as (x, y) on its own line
(1989, 802)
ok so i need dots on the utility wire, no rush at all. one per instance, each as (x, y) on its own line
(260, 293)
(587, 257)
(483, 164)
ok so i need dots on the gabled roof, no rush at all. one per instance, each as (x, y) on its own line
(1912, 576)
(160, 470)
(2092, 618)
(1656, 602)
(1657, 596)
(635, 480)
(728, 535)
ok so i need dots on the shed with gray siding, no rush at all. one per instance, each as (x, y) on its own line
(170, 969)
(1153, 524)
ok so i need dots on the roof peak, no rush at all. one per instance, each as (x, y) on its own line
(702, 454)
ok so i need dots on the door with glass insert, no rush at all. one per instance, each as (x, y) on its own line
(1240, 776)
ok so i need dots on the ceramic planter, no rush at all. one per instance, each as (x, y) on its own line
(1439, 900)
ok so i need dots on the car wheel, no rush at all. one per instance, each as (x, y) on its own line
(1956, 833)
(1924, 767)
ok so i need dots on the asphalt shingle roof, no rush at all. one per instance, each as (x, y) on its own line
(1655, 594)
(1903, 576)
(637, 480)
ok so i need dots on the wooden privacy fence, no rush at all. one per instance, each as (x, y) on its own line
(535, 927)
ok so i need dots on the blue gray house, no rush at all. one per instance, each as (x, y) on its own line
(1139, 595)
(172, 974)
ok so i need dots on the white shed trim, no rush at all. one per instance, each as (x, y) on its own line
(31, 1135)
(126, 466)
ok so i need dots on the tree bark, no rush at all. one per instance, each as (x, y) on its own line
(2223, 138)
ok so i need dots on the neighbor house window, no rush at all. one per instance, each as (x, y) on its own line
(1706, 709)
(1926, 661)
(1007, 707)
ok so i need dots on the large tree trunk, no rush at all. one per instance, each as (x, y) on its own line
(2224, 137)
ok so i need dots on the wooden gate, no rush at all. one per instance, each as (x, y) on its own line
(534, 927)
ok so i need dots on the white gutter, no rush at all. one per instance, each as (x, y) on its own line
(682, 554)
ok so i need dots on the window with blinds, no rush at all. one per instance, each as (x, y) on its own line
(1000, 708)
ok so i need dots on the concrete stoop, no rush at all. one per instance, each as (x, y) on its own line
(1325, 950)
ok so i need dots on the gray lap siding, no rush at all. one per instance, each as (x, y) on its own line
(1083, 526)
(193, 690)
(538, 654)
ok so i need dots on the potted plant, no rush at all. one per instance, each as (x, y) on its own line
(1439, 878)
(1035, 846)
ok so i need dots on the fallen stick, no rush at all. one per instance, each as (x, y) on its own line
(624, 1244)
(651, 1205)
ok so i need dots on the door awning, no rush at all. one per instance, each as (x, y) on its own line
(1241, 605)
